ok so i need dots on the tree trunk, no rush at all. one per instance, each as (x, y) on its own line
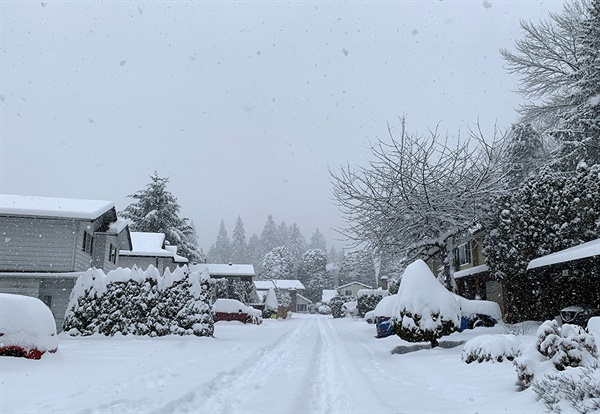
(434, 343)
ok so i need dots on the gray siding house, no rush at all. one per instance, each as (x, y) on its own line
(150, 249)
(46, 243)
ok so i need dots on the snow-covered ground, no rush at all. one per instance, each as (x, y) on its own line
(305, 364)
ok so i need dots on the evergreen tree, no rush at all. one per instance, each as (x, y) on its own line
(357, 267)
(296, 244)
(312, 272)
(526, 152)
(238, 245)
(255, 252)
(222, 250)
(156, 211)
(317, 241)
(269, 238)
(549, 212)
(283, 234)
(277, 264)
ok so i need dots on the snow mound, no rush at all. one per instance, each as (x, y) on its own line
(420, 293)
(491, 348)
(385, 308)
(470, 307)
(26, 323)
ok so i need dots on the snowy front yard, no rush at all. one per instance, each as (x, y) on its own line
(309, 363)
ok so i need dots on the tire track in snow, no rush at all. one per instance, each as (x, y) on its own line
(229, 391)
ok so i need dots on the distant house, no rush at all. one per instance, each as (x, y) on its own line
(48, 242)
(151, 249)
(352, 288)
(292, 287)
(234, 273)
(569, 277)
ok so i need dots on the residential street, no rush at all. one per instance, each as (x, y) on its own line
(306, 364)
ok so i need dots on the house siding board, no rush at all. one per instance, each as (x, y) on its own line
(22, 286)
(59, 290)
(41, 245)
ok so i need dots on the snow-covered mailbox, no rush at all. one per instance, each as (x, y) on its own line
(48, 242)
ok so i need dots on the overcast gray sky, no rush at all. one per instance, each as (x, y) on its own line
(243, 105)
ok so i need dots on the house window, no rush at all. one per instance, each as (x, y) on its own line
(301, 307)
(463, 254)
(88, 242)
(112, 254)
(347, 292)
(47, 299)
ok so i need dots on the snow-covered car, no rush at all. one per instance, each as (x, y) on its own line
(370, 316)
(475, 313)
(234, 310)
(350, 309)
(27, 327)
(579, 314)
(383, 316)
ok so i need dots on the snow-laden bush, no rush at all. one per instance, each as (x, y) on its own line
(556, 348)
(424, 309)
(324, 310)
(491, 348)
(336, 303)
(572, 390)
(367, 300)
(131, 301)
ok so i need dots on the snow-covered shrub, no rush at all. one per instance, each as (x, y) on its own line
(367, 300)
(556, 348)
(184, 304)
(219, 288)
(270, 303)
(130, 301)
(324, 310)
(336, 304)
(573, 390)
(424, 309)
(491, 348)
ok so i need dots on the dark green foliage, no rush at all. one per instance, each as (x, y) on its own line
(408, 327)
(336, 305)
(547, 213)
(156, 211)
(368, 302)
(174, 304)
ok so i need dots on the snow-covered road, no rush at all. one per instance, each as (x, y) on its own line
(306, 364)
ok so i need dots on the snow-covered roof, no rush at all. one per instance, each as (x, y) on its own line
(582, 251)
(278, 284)
(304, 298)
(288, 284)
(176, 258)
(217, 269)
(328, 294)
(355, 283)
(147, 244)
(34, 206)
(471, 271)
(263, 284)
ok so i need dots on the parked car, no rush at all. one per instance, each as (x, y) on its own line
(370, 316)
(234, 310)
(579, 314)
(27, 327)
(475, 313)
(384, 325)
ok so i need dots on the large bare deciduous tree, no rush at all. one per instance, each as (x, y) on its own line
(419, 192)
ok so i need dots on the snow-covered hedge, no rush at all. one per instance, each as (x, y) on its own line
(367, 300)
(336, 304)
(491, 348)
(132, 301)
(556, 348)
(424, 309)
